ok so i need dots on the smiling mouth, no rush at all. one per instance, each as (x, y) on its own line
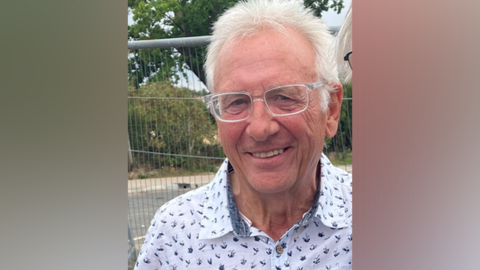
(268, 154)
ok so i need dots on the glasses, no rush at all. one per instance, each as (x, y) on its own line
(282, 100)
(348, 57)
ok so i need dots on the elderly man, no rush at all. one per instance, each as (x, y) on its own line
(276, 202)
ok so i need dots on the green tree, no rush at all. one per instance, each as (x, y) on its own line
(171, 123)
(184, 18)
(320, 6)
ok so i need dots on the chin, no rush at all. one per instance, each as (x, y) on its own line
(267, 186)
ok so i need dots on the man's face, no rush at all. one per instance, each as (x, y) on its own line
(255, 64)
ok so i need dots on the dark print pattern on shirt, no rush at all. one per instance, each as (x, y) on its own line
(202, 229)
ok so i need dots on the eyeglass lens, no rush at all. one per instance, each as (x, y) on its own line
(280, 101)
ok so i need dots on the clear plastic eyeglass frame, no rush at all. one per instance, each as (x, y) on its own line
(309, 87)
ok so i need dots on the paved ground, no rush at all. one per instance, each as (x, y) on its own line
(181, 182)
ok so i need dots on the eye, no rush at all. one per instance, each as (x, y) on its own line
(285, 94)
(238, 102)
(235, 103)
(282, 97)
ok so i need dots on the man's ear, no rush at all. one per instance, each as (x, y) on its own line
(334, 109)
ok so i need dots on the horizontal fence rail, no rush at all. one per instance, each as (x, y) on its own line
(169, 43)
(172, 137)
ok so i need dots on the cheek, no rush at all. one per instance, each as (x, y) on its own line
(315, 122)
(228, 134)
(312, 130)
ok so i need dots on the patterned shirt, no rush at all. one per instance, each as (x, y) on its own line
(203, 229)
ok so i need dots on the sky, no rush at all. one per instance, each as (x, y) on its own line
(330, 17)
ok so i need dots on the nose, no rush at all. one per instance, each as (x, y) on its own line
(261, 124)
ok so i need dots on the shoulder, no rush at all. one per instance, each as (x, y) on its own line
(189, 205)
(335, 174)
(343, 177)
(175, 222)
(190, 200)
(177, 213)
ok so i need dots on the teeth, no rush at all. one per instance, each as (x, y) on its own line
(268, 154)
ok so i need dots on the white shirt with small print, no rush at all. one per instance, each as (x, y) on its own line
(203, 229)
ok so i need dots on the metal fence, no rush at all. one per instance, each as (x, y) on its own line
(173, 146)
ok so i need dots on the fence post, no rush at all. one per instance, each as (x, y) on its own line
(130, 159)
(132, 250)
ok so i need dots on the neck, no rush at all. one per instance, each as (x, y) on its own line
(275, 213)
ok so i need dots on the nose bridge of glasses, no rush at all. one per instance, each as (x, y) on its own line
(266, 108)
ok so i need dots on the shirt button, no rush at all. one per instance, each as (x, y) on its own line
(279, 249)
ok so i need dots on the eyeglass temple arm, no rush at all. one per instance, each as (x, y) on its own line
(315, 85)
(207, 99)
(347, 56)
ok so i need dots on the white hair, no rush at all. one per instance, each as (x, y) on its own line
(251, 17)
(344, 46)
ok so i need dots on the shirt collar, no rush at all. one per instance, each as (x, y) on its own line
(332, 208)
(216, 215)
(221, 215)
(330, 202)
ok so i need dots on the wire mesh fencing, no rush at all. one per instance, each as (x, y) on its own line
(172, 137)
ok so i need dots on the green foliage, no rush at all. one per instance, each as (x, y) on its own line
(340, 158)
(154, 124)
(184, 18)
(173, 19)
(153, 65)
(171, 124)
(143, 176)
(324, 5)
